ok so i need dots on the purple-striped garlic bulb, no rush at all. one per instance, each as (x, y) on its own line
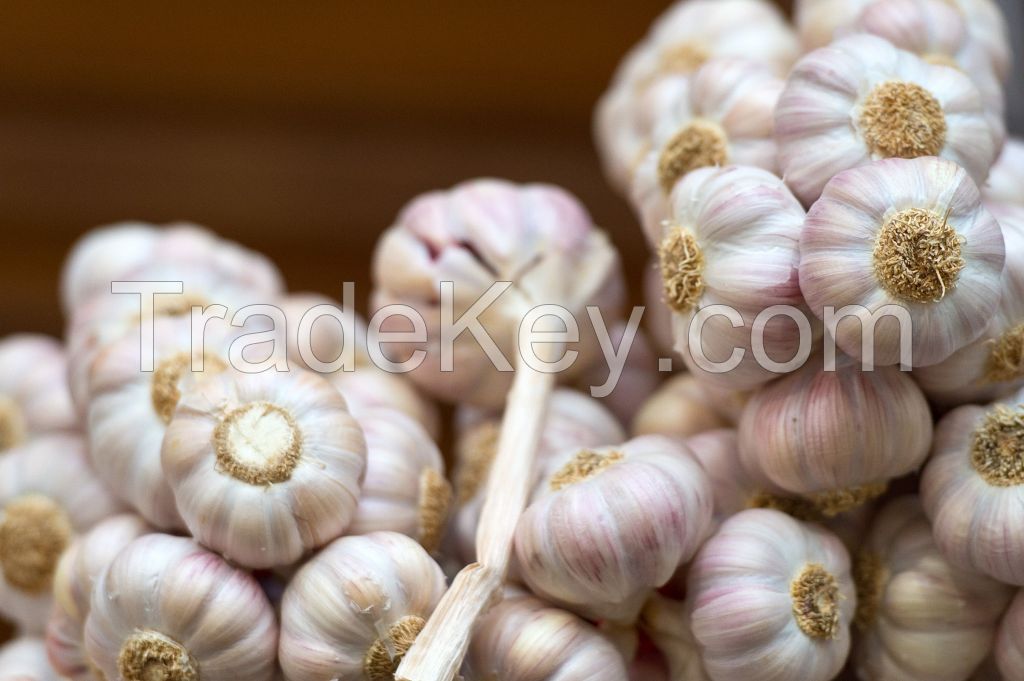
(684, 406)
(1009, 647)
(356, 607)
(790, 578)
(264, 467)
(24, 659)
(168, 609)
(34, 395)
(903, 241)
(1007, 176)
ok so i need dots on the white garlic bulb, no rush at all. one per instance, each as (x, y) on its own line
(919, 617)
(910, 234)
(315, 326)
(354, 610)
(34, 395)
(525, 639)
(608, 525)
(684, 406)
(264, 467)
(862, 99)
(48, 494)
(638, 379)
(168, 609)
(667, 622)
(370, 388)
(836, 437)
(1009, 648)
(24, 659)
(772, 598)
(79, 569)
(707, 256)
(1007, 176)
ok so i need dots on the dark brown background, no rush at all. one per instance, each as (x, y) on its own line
(298, 128)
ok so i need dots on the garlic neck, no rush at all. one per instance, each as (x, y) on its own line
(435, 500)
(12, 424)
(682, 269)
(386, 653)
(165, 389)
(869, 577)
(34, 532)
(1006, 360)
(698, 145)
(997, 452)
(585, 465)
(834, 502)
(150, 656)
(902, 120)
(258, 443)
(815, 597)
(918, 256)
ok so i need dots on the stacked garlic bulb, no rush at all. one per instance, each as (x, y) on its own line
(353, 611)
(1007, 176)
(608, 525)
(168, 609)
(683, 406)
(24, 659)
(1009, 648)
(370, 388)
(772, 598)
(34, 395)
(316, 332)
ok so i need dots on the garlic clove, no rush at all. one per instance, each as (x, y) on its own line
(34, 395)
(24, 659)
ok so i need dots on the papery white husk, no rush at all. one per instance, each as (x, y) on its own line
(1009, 648)
(24, 659)
(1006, 181)
(33, 387)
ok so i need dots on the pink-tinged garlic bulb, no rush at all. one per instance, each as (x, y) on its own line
(919, 617)
(1009, 647)
(657, 315)
(972, 489)
(723, 115)
(1007, 176)
(837, 437)
(479, 233)
(48, 494)
(315, 327)
(34, 395)
(706, 257)
(667, 622)
(369, 388)
(24, 659)
(903, 240)
(79, 569)
(525, 639)
(405, 489)
(684, 406)
(993, 365)
(168, 609)
(861, 99)
(639, 377)
(610, 524)
(264, 467)
(790, 578)
(354, 610)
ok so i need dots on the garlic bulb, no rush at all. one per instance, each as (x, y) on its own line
(353, 611)
(971, 489)
(24, 659)
(911, 234)
(722, 115)
(472, 236)
(919, 617)
(993, 365)
(78, 570)
(610, 524)
(657, 315)
(264, 467)
(48, 494)
(639, 377)
(708, 257)
(168, 609)
(1009, 648)
(1007, 176)
(405, 489)
(772, 598)
(315, 326)
(525, 639)
(836, 437)
(861, 99)
(34, 395)
(369, 388)
(681, 407)
(667, 622)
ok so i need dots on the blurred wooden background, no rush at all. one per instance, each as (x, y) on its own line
(297, 128)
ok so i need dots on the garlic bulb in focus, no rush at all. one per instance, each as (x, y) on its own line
(906, 233)
(370, 388)
(772, 598)
(919, 617)
(683, 406)
(1007, 176)
(608, 525)
(34, 395)
(168, 609)
(861, 99)
(48, 493)
(24, 659)
(1009, 651)
(354, 610)
(264, 467)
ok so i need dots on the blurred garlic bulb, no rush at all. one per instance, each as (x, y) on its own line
(168, 609)
(525, 639)
(608, 525)
(353, 611)
(912, 235)
(667, 622)
(683, 406)
(657, 315)
(639, 377)
(1009, 648)
(24, 659)
(732, 238)
(48, 494)
(474, 235)
(315, 326)
(772, 598)
(264, 467)
(861, 99)
(368, 388)
(722, 115)
(874, 426)
(34, 395)
(993, 365)
(79, 569)
(919, 617)
(405, 489)
(1007, 176)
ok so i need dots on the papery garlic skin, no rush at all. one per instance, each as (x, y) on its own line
(48, 494)
(525, 639)
(24, 659)
(370, 388)
(919, 617)
(610, 524)
(790, 578)
(264, 467)
(1007, 176)
(353, 610)
(906, 233)
(681, 407)
(168, 609)
(862, 99)
(478, 233)
(34, 396)
(1009, 648)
